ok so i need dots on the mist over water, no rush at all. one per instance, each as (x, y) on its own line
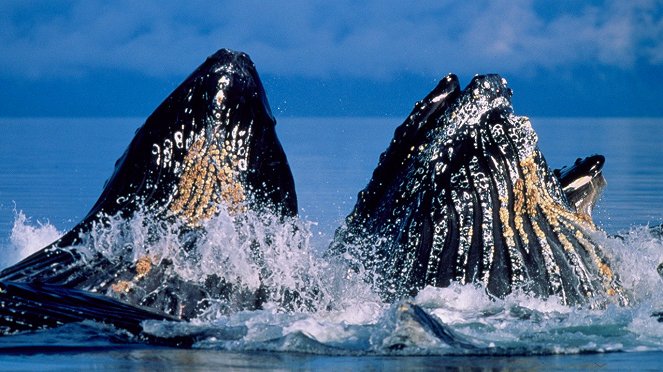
(46, 188)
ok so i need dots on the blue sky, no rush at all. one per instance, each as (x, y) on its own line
(333, 58)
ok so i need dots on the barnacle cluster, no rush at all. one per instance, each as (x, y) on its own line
(209, 179)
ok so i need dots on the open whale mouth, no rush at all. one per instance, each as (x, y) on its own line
(583, 182)
(463, 194)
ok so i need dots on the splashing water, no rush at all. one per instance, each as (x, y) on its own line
(339, 313)
(26, 239)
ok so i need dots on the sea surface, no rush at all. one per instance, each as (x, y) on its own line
(52, 171)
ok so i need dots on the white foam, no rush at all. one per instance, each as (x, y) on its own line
(348, 317)
(27, 238)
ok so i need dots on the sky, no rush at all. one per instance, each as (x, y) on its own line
(91, 58)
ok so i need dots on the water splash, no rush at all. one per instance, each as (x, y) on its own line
(338, 313)
(518, 324)
(26, 238)
(239, 260)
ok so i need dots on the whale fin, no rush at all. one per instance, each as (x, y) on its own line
(31, 306)
(413, 322)
(463, 194)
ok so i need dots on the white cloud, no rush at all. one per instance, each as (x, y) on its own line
(326, 39)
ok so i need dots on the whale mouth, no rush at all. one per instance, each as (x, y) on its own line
(464, 195)
(583, 182)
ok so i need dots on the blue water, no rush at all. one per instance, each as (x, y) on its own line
(52, 171)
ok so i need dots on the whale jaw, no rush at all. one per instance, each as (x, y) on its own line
(583, 182)
(463, 194)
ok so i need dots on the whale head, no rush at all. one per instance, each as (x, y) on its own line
(210, 145)
(211, 142)
(463, 194)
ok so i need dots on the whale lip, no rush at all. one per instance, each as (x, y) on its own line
(583, 182)
(231, 72)
(590, 166)
(227, 57)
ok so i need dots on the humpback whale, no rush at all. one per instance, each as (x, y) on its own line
(463, 194)
(210, 144)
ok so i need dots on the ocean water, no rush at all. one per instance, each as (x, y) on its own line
(52, 171)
